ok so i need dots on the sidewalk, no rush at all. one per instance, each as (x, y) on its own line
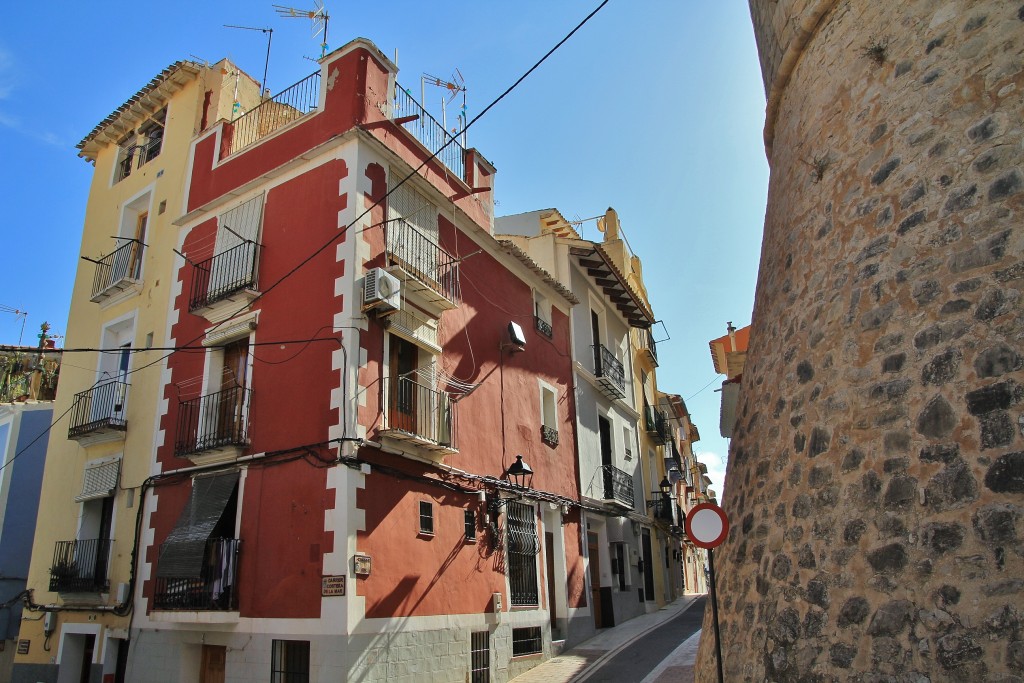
(572, 665)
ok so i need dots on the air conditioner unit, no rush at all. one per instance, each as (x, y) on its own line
(381, 290)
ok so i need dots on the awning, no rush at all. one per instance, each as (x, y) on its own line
(99, 480)
(181, 555)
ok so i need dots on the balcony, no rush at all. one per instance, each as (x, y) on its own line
(408, 113)
(117, 271)
(213, 423)
(420, 415)
(424, 267)
(649, 348)
(543, 326)
(618, 486)
(137, 156)
(216, 587)
(228, 278)
(662, 509)
(549, 435)
(657, 425)
(610, 375)
(98, 414)
(80, 566)
(289, 105)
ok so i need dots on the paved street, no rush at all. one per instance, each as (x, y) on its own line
(654, 648)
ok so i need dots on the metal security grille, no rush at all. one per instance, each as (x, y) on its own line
(523, 547)
(480, 657)
(470, 522)
(290, 661)
(526, 641)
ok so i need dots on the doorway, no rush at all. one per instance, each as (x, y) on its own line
(212, 664)
(594, 570)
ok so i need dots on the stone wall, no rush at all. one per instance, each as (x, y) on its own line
(876, 479)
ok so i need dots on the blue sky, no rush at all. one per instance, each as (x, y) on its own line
(655, 107)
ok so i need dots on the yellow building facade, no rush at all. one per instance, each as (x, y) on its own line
(107, 414)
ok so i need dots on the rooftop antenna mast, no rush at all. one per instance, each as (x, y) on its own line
(318, 16)
(269, 32)
(18, 314)
(456, 85)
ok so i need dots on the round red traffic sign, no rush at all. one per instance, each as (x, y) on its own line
(707, 525)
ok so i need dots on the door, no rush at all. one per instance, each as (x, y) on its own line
(645, 541)
(211, 667)
(595, 333)
(549, 552)
(605, 429)
(134, 270)
(594, 570)
(233, 382)
(403, 399)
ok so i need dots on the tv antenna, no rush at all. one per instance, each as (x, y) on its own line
(454, 86)
(318, 17)
(269, 32)
(18, 314)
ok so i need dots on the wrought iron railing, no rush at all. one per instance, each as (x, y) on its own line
(136, 156)
(549, 435)
(289, 105)
(121, 265)
(618, 485)
(423, 259)
(608, 368)
(543, 326)
(102, 407)
(216, 587)
(80, 566)
(662, 508)
(657, 425)
(523, 547)
(649, 345)
(421, 412)
(429, 132)
(213, 421)
(222, 275)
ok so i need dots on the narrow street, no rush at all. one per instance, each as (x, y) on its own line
(637, 660)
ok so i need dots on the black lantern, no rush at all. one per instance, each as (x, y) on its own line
(520, 473)
(666, 488)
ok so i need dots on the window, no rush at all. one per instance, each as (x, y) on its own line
(542, 314)
(289, 661)
(480, 657)
(141, 146)
(233, 265)
(523, 547)
(549, 416)
(81, 565)
(218, 419)
(416, 410)
(526, 641)
(426, 517)
(470, 522)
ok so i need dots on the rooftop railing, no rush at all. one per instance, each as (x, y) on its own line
(428, 131)
(290, 104)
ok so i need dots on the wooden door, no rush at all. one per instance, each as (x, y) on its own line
(403, 398)
(234, 379)
(594, 569)
(211, 668)
(135, 257)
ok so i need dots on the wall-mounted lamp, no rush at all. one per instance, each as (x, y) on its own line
(520, 473)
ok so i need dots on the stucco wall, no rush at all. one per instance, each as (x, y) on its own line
(876, 480)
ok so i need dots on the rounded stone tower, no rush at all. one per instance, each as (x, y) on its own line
(876, 477)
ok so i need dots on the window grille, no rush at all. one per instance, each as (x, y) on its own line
(426, 517)
(523, 547)
(289, 661)
(526, 641)
(480, 657)
(470, 525)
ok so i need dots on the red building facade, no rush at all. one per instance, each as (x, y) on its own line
(360, 364)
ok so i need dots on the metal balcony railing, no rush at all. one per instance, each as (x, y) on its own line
(117, 270)
(543, 326)
(618, 485)
(429, 132)
(136, 156)
(549, 435)
(99, 409)
(649, 346)
(609, 372)
(662, 508)
(290, 104)
(424, 260)
(421, 414)
(216, 587)
(222, 275)
(213, 421)
(80, 566)
(657, 425)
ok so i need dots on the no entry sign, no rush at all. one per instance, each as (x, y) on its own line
(707, 526)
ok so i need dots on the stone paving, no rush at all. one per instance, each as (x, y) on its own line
(574, 665)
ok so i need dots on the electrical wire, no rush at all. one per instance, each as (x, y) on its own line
(705, 386)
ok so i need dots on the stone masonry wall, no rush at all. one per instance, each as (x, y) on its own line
(876, 481)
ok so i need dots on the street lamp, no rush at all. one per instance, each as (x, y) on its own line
(520, 473)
